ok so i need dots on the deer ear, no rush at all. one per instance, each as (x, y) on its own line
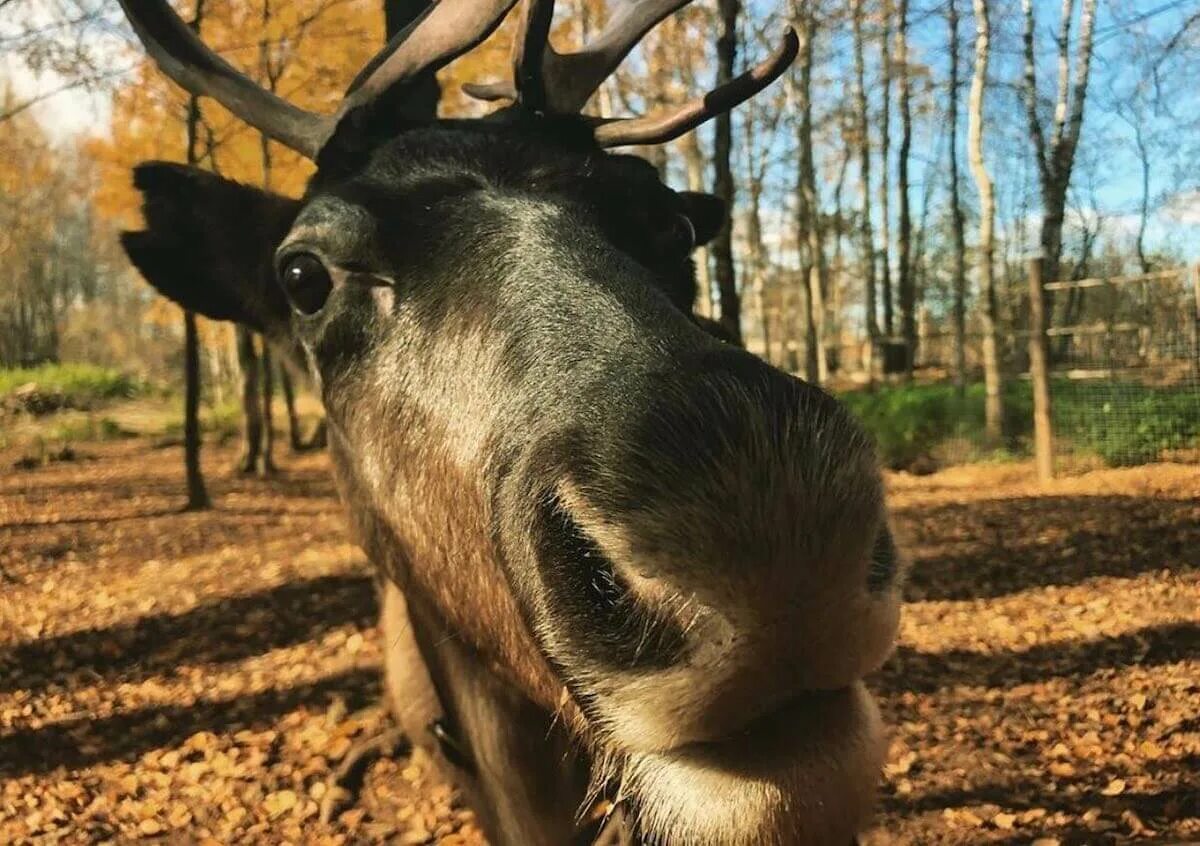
(209, 243)
(706, 213)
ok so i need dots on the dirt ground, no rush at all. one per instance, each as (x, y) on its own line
(196, 676)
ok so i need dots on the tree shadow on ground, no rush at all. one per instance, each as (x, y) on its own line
(228, 629)
(922, 672)
(83, 741)
(1000, 547)
(1021, 794)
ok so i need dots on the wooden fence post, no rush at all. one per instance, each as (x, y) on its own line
(1039, 372)
(1195, 272)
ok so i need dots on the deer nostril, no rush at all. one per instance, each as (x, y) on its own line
(599, 610)
(882, 568)
(567, 542)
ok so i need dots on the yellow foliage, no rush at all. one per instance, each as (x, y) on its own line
(307, 50)
(31, 183)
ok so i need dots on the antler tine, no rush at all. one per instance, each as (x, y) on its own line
(572, 78)
(197, 69)
(670, 123)
(448, 29)
(531, 46)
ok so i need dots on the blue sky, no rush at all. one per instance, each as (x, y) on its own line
(1107, 180)
(1123, 90)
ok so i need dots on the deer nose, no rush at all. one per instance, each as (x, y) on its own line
(730, 535)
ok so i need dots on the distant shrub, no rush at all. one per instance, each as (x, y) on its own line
(50, 387)
(1121, 423)
(1127, 423)
(908, 422)
(223, 421)
(90, 428)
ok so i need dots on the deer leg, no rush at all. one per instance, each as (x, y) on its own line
(251, 411)
(518, 773)
(319, 438)
(409, 700)
(517, 769)
(266, 465)
(345, 786)
(295, 440)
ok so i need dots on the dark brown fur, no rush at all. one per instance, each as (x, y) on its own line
(621, 542)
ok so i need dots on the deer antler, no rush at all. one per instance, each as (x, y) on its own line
(448, 29)
(544, 80)
(672, 121)
(531, 41)
(564, 82)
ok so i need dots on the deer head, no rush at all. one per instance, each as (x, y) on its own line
(679, 548)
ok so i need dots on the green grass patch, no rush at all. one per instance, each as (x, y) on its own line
(1126, 423)
(1122, 423)
(223, 422)
(70, 385)
(90, 428)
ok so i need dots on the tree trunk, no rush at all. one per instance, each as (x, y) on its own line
(908, 292)
(956, 212)
(836, 278)
(994, 404)
(1039, 373)
(756, 259)
(866, 235)
(1055, 154)
(722, 245)
(885, 189)
(197, 494)
(1144, 208)
(420, 97)
(693, 159)
(257, 440)
(808, 212)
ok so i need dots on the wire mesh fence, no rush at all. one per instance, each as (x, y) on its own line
(1125, 375)
(1124, 362)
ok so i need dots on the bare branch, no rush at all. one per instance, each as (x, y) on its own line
(1064, 72)
(7, 112)
(1079, 95)
(1030, 92)
(197, 69)
(670, 123)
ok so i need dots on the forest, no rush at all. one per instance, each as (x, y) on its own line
(885, 198)
(976, 223)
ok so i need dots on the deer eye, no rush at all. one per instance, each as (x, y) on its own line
(306, 282)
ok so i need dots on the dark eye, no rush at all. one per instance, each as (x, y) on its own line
(306, 282)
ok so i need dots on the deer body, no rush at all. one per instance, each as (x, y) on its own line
(622, 559)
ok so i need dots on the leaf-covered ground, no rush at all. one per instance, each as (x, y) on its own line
(197, 676)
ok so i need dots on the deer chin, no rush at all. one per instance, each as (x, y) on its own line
(806, 773)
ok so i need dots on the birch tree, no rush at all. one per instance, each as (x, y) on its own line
(885, 189)
(863, 131)
(723, 185)
(956, 211)
(197, 494)
(809, 237)
(994, 403)
(907, 286)
(1054, 150)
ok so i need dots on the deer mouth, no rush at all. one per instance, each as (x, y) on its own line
(804, 773)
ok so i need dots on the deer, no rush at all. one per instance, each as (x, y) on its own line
(633, 576)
